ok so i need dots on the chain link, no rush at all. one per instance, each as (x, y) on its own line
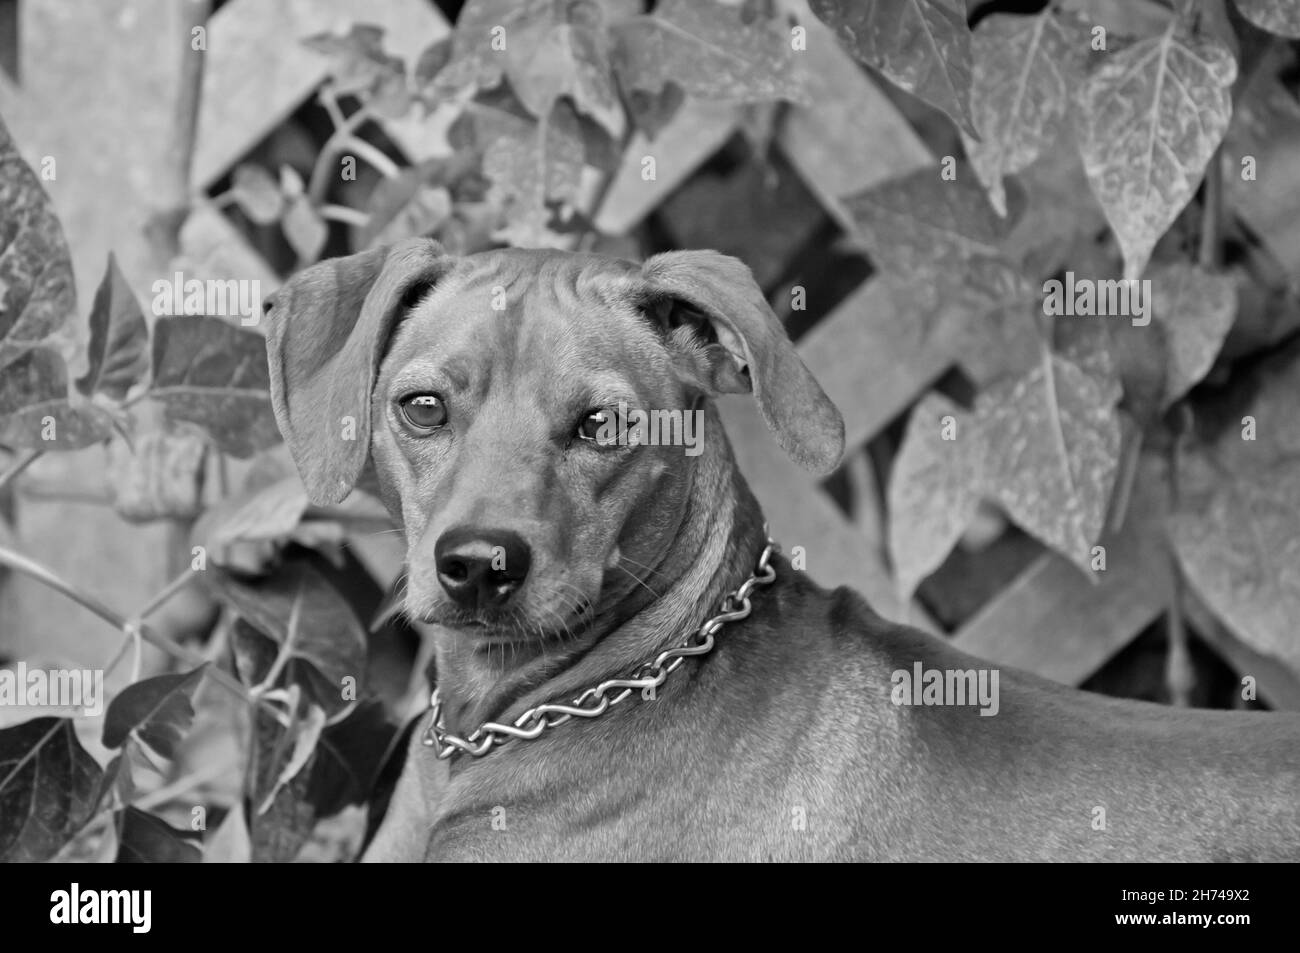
(597, 700)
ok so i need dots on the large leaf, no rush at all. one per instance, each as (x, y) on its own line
(210, 373)
(257, 193)
(143, 838)
(534, 168)
(37, 293)
(552, 57)
(1043, 447)
(38, 409)
(158, 710)
(922, 46)
(1153, 114)
(309, 621)
(361, 67)
(1022, 84)
(941, 241)
(1192, 312)
(340, 770)
(1276, 16)
(1237, 529)
(49, 786)
(473, 61)
(710, 51)
(119, 338)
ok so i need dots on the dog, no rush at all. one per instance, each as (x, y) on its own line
(549, 560)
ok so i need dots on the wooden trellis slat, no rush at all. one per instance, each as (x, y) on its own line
(1277, 685)
(850, 137)
(697, 131)
(1053, 621)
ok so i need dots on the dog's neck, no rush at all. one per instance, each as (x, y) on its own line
(718, 539)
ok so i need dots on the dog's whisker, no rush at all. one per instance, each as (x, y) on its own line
(638, 580)
(649, 569)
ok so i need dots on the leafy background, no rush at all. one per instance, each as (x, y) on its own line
(901, 176)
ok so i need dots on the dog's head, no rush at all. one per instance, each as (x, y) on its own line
(531, 415)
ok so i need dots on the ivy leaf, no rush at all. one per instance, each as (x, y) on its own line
(342, 769)
(1153, 114)
(143, 838)
(941, 241)
(533, 166)
(49, 787)
(308, 620)
(304, 229)
(1276, 16)
(548, 58)
(1022, 83)
(257, 193)
(1196, 311)
(477, 60)
(1043, 446)
(119, 338)
(922, 46)
(1192, 311)
(360, 67)
(38, 408)
(1237, 529)
(39, 411)
(37, 292)
(710, 51)
(158, 710)
(229, 843)
(212, 374)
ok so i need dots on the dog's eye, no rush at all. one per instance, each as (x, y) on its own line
(424, 411)
(598, 426)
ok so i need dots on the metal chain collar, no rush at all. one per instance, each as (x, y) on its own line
(597, 700)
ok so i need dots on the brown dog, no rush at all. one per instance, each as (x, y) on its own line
(551, 558)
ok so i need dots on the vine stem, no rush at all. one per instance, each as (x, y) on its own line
(318, 184)
(1209, 254)
(19, 465)
(29, 567)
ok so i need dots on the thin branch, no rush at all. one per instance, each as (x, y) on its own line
(1210, 253)
(1179, 674)
(319, 182)
(173, 587)
(373, 155)
(29, 567)
(19, 465)
(341, 213)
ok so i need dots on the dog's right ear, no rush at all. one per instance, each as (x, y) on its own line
(326, 333)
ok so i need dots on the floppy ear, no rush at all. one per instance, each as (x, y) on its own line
(326, 333)
(741, 346)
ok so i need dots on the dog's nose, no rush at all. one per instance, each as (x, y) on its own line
(481, 568)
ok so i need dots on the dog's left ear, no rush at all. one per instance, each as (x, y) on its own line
(326, 333)
(743, 347)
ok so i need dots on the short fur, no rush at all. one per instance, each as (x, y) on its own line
(783, 743)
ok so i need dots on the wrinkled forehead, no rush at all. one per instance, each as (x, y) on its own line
(515, 314)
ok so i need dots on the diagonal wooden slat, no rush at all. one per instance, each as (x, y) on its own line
(800, 513)
(258, 71)
(697, 131)
(1053, 621)
(851, 137)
